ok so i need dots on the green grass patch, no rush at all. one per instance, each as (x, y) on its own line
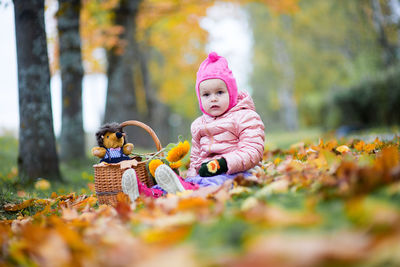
(76, 177)
(227, 236)
(283, 139)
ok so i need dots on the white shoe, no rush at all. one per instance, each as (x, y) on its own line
(129, 184)
(166, 178)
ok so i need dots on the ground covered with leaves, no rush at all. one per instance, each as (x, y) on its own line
(325, 204)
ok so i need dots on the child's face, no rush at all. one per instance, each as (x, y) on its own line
(214, 96)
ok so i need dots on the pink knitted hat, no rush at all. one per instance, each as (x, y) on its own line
(216, 67)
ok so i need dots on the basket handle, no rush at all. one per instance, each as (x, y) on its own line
(146, 128)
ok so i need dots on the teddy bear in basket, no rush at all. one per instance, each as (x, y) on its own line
(112, 146)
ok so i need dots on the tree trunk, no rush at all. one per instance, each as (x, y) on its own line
(395, 16)
(72, 138)
(157, 113)
(285, 91)
(389, 54)
(128, 79)
(121, 98)
(37, 156)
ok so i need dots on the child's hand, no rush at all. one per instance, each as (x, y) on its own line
(213, 167)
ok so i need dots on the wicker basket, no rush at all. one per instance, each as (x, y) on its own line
(107, 178)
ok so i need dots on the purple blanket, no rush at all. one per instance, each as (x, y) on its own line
(209, 181)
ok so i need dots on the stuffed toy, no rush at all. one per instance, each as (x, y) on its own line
(112, 145)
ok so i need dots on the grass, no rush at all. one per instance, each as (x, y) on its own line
(76, 177)
(283, 139)
(79, 175)
(222, 229)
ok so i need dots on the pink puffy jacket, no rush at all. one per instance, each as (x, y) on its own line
(238, 136)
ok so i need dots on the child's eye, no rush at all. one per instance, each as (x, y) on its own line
(206, 94)
(220, 92)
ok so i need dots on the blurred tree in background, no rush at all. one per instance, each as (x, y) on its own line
(151, 61)
(305, 55)
(331, 44)
(373, 102)
(153, 51)
(72, 139)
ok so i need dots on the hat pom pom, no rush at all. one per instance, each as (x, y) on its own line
(213, 56)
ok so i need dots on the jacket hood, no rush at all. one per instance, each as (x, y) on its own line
(244, 102)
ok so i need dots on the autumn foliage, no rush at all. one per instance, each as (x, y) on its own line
(310, 205)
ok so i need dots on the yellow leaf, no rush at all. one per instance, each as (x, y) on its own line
(42, 184)
(277, 161)
(166, 236)
(343, 149)
(20, 206)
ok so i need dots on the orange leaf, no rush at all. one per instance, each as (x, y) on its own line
(378, 142)
(123, 206)
(90, 201)
(192, 203)
(20, 206)
(369, 147)
(387, 159)
(360, 146)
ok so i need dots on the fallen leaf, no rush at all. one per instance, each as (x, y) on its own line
(343, 149)
(42, 184)
(20, 206)
(238, 190)
(166, 236)
(279, 186)
(304, 250)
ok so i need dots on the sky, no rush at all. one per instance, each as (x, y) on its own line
(229, 35)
